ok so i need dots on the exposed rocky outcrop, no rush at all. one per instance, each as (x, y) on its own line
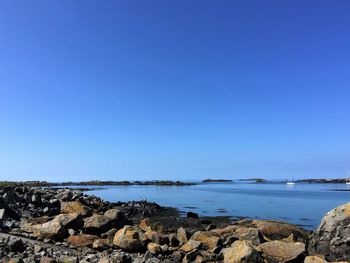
(278, 251)
(241, 252)
(62, 225)
(332, 238)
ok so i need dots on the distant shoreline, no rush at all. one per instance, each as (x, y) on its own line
(162, 182)
(97, 183)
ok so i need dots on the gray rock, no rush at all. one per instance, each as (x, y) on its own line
(332, 237)
(16, 245)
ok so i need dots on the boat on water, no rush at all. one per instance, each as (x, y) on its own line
(347, 182)
(291, 183)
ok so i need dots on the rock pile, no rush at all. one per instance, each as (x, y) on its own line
(62, 225)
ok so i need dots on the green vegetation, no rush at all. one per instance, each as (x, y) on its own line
(256, 180)
(217, 181)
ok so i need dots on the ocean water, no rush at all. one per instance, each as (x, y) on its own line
(304, 204)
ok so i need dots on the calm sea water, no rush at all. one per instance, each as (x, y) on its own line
(303, 204)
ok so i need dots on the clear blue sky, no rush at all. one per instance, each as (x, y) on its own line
(174, 89)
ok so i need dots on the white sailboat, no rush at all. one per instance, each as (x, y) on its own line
(291, 183)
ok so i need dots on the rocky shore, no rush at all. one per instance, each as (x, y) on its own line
(64, 225)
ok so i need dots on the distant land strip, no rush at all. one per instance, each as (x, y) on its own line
(160, 182)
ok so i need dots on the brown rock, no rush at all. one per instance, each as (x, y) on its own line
(229, 230)
(145, 224)
(209, 240)
(27, 225)
(314, 259)
(279, 251)
(273, 230)
(82, 240)
(249, 234)
(102, 244)
(241, 252)
(182, 235)
(158, 227)
(74, 207)
(191, 245)
(47, 260)
(98, 224)
(56, 229)
(154, 248)
(153, 236)
(129, 238)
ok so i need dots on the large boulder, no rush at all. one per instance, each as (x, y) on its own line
(208, 239)
(241, 252)
(314, 259)
(82, 240)
(332, 238)
(74, 207)
(57, 228)
(98, 224)
(273, 230)
(130, 238)
(281, 252)
(191, 245)
(250, 234)
(28, 224)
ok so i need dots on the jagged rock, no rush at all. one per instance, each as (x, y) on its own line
(145, 224)
(332, 237)
(98, 224)
(75, 207)
(157, 227)
(102, 244)
(153, 236)
(191, 245)
(273, 230)
(37, 248)
(314, 259)
(208, 239)
(279, 251)
(129, 238)
(241, 252)
(47, 260)
(229, 230)
(82, 240)
(250, 234)
(182, 235)
(56, 229)
(154, 248)
(28, 224)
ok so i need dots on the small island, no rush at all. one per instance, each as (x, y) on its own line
(324, 181)
(256, 180)
(217, 181)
